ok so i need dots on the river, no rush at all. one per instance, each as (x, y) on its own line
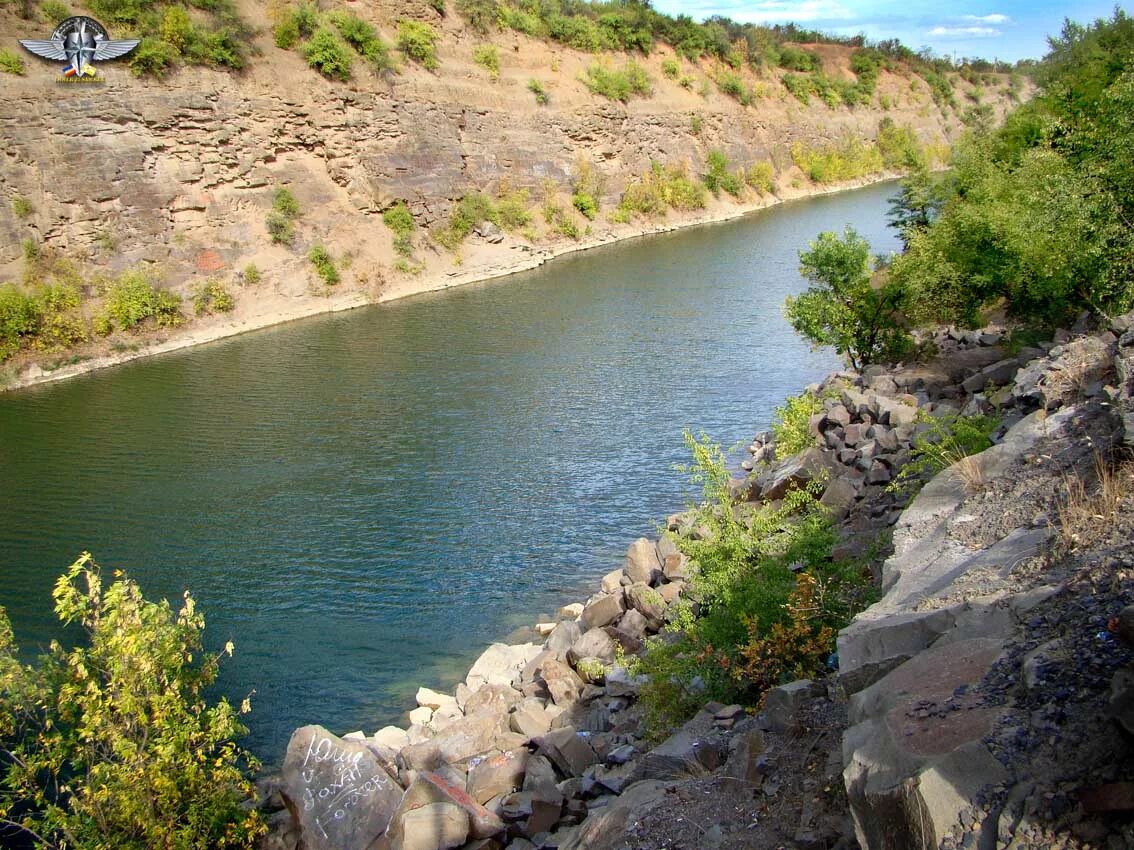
(361, 502)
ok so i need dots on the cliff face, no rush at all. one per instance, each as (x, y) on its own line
(180, 172)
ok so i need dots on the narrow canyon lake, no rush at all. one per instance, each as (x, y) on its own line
(362, 502)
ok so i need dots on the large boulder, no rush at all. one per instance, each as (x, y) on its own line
(642, 562)
(497, 775)
(910, 782)
(462, 739)
(648, 602)
(336, 790)
(603, 610)
(693, 750)
(431, 789)
(501, 664)
(594, 644)
(794, 472)
(606, 828)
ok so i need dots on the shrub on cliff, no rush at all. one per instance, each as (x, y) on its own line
(365, 40)
(717, 176)
(400, 220)
(845, 308)
(327, 55)
(418, 42)
(618, 83)
(132, 298)
(112, 743)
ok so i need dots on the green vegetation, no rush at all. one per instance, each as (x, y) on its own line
(761, 177)
(618, 84)
(132, 298)
(1037, 215)
(281, 220)
(671, 68)
(845, 160)
(488, 58)
(112, 743)
(363, 38)
(324, 265)
(797, 59)
(11, 63)
(658, 190)
(512, 211)
(536, 88)
(54, 11)
(212, 296)
(251, 274)
(466, 214)
(770, 599)
(418, 41)
(22, 207)
(400, 220)
(717, 176)
(791, 424)
(327, 54)
(588, 186)
(943, 441)
(844, 308)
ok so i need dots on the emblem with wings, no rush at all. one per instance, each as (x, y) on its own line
(80, 41)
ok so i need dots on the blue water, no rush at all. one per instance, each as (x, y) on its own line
(363, 501)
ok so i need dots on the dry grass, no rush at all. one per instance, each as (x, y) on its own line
(971, 473)
(1086, 510)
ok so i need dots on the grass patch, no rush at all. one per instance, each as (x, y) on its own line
(324, 265)
(618, 84)
(281, 220)
(536, 88)
(418, 41)
(212, 296)
(400, 221)
(487, 57)
(11, 63)
(658, 190)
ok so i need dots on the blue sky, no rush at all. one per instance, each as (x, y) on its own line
(991, 30)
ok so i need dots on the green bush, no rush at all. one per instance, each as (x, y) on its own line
(481, 15)
(585, 204)
(11, 63)
(212, 296)
(177, 29)
(251, 274)
(536, 88)
(671, 68)
(61, 324)
(418, 42)
(54, 11)
(761, 177)
(733, 86)
(899, 146)
(22, 207)
(327, 55)
(281, 220)
(152, 58)
(19, 319)
(660, 189)
(799, 87)
(846, 160)
(618, 84)
(466, 214)
(488, 58)
(113, 743)
(324, 265)
(512, 210)
(285, 34)
(718, 176)
(941, 442)
(797, 59)
(844, 308)
(400, 220)
(361, 36)
(791, 424)
(132, 298)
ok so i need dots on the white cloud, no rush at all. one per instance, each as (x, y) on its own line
(994, 18)
(964, 32)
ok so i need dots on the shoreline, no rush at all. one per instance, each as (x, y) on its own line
(35, 375)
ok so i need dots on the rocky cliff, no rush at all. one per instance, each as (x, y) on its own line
(178, 174)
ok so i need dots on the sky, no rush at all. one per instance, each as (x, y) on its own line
(988, 29)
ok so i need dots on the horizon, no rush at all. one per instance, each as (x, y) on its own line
(1006, 31)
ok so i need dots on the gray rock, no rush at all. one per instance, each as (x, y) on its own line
(691, 751)
(648, 602)
(612, 581)
(606, 828)
(337, 791)
(839, 497)
(563, 636)
(594, 644)
(603, 611)
(676, 567)
(562, 683)
(462, 739)
(782, 704)
(497, 775)
(500, 664)
(567, 750)
(434, 826)
(795, 472)
(530, 719)
(634, 623)
(431, 789)
(642, 562)
(497, 699)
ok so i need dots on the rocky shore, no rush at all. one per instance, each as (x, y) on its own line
(983, 701)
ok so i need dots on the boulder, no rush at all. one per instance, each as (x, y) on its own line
(607, 828)
(676, 567)
(794, 472)
(433, 699)
(500, 664)
(336, 790)
(429, 789)
(669, 594)
(497, 699)
(571, 612)
(460, 740)
(565, 634)
(391, 737)
(497, 775)
(568, 750)
(692, 750)
(910, 783)
(530, 719)
(562, 682)
(612, 581)
(642, 562)
(648, 602)
(634, 623)
(434, 826)
(603, 610)
(594, 644)
(782, 704)
(839, 497)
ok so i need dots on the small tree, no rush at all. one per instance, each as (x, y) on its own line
(846, 309)
(113, 743)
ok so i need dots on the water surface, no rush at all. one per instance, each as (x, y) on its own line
(363, 501)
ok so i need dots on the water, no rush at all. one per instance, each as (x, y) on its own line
(362, 502)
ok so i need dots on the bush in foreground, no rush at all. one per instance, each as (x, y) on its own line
(112, 743)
